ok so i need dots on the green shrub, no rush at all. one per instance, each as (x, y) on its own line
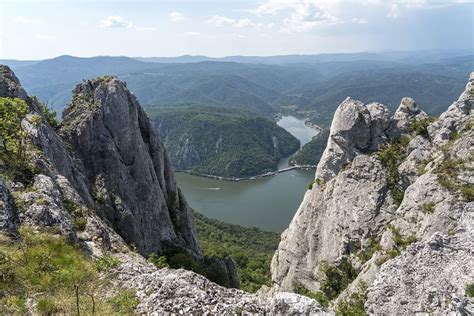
(179, 258)
(467, 192)
(470, 290)
(125, 302)
(106, 262)
(318, 296)
(355, 304)
(428, 208)
(392, 253)
(13, 305)
(160, 262)
(404, 140)
(46, 306)
(78, 214)
(16, 150)
(310, 185)
(420, 127)
(336, 278)
(49, 114)
(400, 241)
(467, 127)
(373, 246)
(390, 157)
(448, 171)
(421, 168)
(80, 223)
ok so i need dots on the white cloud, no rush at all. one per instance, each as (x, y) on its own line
(219, 20)
(192, 34)
(394, 11)
(44, 37)
(176, 16)
(145, 28)
(115, 21)
(271, 25)
(244, 22)
(237, 35)
(359, 20)
(24, 20)
(306, 16)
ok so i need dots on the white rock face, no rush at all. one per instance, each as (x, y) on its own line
(350, 211)
(185, 292)
(406, 112)
(427, 276)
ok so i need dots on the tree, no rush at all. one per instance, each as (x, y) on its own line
(15, 145)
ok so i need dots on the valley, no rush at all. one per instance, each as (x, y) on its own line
(251, 203)
(222, 142)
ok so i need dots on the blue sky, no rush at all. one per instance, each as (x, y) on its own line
(44, 29)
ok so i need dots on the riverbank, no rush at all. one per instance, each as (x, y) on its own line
(235, 179)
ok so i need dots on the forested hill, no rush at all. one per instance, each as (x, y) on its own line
(222, 142)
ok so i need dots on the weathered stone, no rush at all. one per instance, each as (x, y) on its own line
(349, 135)
(352, 213)
(185, 292)
(406, 113)
(429, 277)
(10, 85)
(351, 207)
(8, 217)
(126, 167)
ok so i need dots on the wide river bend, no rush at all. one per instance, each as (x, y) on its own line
(268, 203)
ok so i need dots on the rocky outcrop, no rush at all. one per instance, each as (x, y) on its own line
(427, 276)
(8, 216)
(355, 129)
(126, 167)
(10, 85)
(185, 292)
(391, 208)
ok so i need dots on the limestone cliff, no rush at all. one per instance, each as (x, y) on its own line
(127, 170)
(389, 220)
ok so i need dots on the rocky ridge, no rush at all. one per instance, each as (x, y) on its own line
(390, 214)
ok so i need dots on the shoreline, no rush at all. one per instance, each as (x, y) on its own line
(263, 175)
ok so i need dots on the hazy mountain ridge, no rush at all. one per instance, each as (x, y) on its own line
(319, 85)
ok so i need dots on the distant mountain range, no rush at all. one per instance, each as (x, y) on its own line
(264, 85)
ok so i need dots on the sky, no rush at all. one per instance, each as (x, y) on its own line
(34, 29)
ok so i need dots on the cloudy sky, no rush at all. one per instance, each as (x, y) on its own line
(36, 29)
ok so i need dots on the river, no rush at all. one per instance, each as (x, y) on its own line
(268, 203)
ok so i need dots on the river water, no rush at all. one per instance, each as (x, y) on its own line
(268, 203)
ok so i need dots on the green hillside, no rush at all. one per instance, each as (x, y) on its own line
(220, 141)
(251, 248)
(311, 152)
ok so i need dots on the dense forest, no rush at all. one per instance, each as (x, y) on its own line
(311, 152)
(222, 142)
(251, 248)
